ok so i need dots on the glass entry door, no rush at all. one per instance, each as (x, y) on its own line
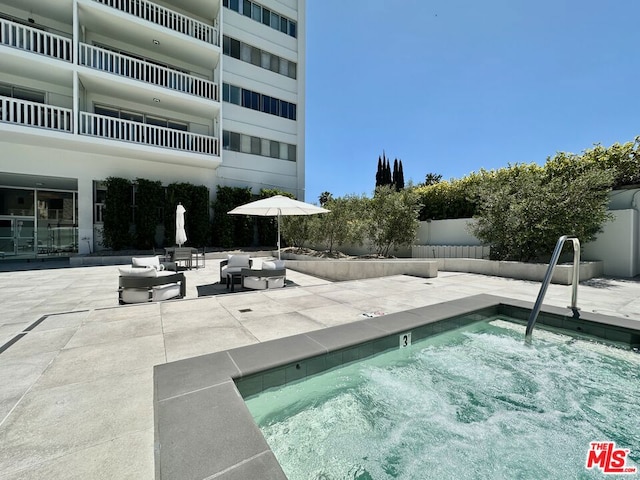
(17, 236)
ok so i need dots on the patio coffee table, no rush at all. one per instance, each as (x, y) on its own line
(231, 277)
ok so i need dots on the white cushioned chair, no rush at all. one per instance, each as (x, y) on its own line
(146, 280)
(272, 275)
(234, 264)
(152, 262)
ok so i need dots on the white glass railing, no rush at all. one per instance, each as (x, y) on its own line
(119, 64)
(136, 132)
(34, 114)
(34, 40)
(166, 18)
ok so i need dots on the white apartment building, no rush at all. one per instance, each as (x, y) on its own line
(208, 92)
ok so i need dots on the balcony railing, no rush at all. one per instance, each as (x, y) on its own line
(133, 68)
(35, 114)
(33, 40)
(166, 18)
(142, 133)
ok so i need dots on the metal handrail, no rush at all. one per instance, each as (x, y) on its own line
(547, 280)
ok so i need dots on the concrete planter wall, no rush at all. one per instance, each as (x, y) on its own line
(339, 270)
(562, 274)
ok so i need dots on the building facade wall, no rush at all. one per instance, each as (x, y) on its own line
(143, 70)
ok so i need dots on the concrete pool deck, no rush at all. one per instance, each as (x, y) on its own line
(76, 391)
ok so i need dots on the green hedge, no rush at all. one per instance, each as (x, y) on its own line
(231, 230)
(195, 200)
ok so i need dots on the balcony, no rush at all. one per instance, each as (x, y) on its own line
(145, 134)
(107, 61)
(34, 40)
(32, 114)
(166, 18)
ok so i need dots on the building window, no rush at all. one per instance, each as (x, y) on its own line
(260, 14)
(21, 93)
(140, 117)
(254, 55)
(239, 142)
(255, 145)
(274, 149)
(258, 101)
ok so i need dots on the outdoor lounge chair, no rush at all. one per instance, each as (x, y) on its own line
(147, 280)
(234, 264)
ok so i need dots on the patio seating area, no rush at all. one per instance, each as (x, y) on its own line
(76, 369)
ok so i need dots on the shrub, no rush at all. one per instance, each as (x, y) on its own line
(523, 209)
(195, 200)
(117, 213)
(392, 218)
(149, 202)
(231, 230)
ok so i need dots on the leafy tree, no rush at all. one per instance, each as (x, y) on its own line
(324, 198)
(448, 199)
(296, 230)
(117, 213)
(392, 218)
(523, 209)
(432, 179)
(623, 160)
(342, 225)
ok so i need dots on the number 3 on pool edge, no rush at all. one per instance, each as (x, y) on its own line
(405, 340)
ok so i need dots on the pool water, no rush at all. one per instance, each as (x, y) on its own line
(470, 403)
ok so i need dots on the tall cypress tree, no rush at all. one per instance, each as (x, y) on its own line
(387, 174)
(400, 182)
(379, 172)
(394, 178)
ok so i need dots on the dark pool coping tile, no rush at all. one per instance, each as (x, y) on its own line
(259, 357)
(184, 376)
(206, 432)
(345, 336)
(203, 426)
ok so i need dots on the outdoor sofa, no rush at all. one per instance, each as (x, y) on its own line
(273, 274)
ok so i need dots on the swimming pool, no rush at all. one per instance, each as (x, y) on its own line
(474, 402)
(203, 428)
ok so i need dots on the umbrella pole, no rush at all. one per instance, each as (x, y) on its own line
(278, 234)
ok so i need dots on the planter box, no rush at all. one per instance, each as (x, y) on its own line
(339, 270)
(562, 274)
(345, 269)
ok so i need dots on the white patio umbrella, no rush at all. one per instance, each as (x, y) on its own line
(277, 206)
(181, 234)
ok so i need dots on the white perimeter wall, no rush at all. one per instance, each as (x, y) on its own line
(617, 246)
(446, 232)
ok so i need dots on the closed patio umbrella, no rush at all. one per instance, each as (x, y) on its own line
(181, 234)
(277, 206)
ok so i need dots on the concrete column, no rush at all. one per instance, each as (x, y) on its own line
(85, 215)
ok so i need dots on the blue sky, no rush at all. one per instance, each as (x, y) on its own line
(452, 86)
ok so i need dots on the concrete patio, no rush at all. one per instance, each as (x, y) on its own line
(76, 390)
